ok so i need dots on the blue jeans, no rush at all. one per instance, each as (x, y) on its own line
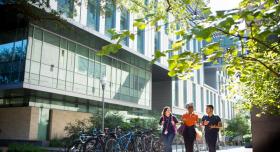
(168, 139)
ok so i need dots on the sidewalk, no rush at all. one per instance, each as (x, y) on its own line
(180, 148)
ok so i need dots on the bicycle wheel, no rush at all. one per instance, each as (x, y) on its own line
(76, 146)
(93, 145)
(112, 146)
(158, 146)
(148, 143)
(138, 145)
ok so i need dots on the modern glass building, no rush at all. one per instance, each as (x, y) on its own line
(50, 72)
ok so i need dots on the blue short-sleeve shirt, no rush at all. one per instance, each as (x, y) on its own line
(213, 120)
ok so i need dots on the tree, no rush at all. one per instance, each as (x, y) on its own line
(238, 126)
(254, 68)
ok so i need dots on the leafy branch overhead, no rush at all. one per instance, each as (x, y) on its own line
(254, 27)
(252, 63)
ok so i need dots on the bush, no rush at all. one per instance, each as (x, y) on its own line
(247, 138)
(112, 120)
(24, 148)
(58, 142)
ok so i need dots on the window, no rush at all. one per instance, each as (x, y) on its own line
(110, 15)
(166, 25)
(198, 76)
(13, 45)
(177, 28)
(202, 99)
(194, 94)
(140, 41)
(211, 98)
(93, 14)
(194, 45)
(188, 46)
(199, 46)
(66, 7)
(218, 106)
(215, 105)
(157, 41)
(170, 54)
(176, 102)
(185, 91)
(124, 23)
(207, 96)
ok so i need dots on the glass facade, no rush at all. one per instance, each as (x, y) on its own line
(66, 7)
(185, 91)
(194, 97)
(188, 46)
(93, 14)
(110, 15)
(141, 41)
(56, 62)
(202, 99)
(176, 101)
(211, 98)
(170, 53)
(207, 97)
(13, 44)
(194, 45)
(157, 41)
(124, 23)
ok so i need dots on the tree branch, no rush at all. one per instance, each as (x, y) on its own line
(169, 6)
(259, 61)
(246, 37)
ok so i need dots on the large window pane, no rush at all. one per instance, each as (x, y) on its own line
(202, 99)
(13, 44)
(185, 92)
(93, 14)
(194, 94)
(140, 41)
(110, 15)
(124, 23)
(66, 7)
(50, 49)
(157, 41)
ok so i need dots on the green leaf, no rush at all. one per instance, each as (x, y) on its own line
(196, 67)
(177, 45)
(211, 48)
(187, 1)
(112, 31)
(157, 55)
(110, 48)
(172, 73)
(139, 25)
(132, 36)
(180, 32)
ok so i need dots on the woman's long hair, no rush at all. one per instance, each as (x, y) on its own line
(164, 110)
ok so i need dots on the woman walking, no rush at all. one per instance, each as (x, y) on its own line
(168, 122)
(190, 120)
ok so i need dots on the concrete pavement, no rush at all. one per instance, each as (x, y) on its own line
(224, 149)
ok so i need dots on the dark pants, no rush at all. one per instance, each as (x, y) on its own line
(211, 140)
(168, 139)
(189, 137)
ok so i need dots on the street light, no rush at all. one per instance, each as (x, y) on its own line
(103, 84)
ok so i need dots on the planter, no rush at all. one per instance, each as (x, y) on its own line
(265, 132)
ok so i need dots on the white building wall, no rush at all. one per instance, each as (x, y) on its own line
(81, 18)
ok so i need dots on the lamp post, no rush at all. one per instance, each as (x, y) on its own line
(103, 84)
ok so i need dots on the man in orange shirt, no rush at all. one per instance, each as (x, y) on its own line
(190, 120)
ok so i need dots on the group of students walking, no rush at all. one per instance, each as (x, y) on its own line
(189, 120)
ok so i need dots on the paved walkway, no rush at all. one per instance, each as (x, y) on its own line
(224, 149)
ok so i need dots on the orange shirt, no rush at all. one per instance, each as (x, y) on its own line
(189, 119)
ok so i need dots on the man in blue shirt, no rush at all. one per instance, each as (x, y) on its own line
(212, 124)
